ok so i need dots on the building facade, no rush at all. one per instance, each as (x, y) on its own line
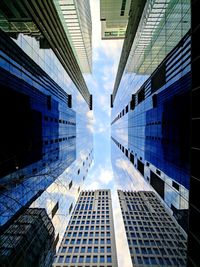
(151, 103)
(194, 204)
(89, 239)
(46, 142)
(153, 235)
(76, 19)
(28, 241)
(114, 18)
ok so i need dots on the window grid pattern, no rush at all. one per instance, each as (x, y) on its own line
(89, 238)
(154, 238)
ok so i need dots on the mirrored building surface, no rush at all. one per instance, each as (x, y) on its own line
(114, 16)
(46, 114)
(76, 19)
(29, 240)
(151, 103)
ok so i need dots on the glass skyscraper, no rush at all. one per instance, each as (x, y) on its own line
(114, 18)
(46, 110)
(151, 104)
(194, 203)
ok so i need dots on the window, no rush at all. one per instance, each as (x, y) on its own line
(96, 233)
(137, 250)
(153, 261)
(89, 250)
(63, 250)
(67, 259)
(146, 260)
(74, 259)
(83, 250)
(108, 249)
(102, 259)
(76, 249)
(95, 258)
(102, 250)
(60, 259)
(109, 258)
(81, 259)
(95, 249)
(88, 258)
(70, 249)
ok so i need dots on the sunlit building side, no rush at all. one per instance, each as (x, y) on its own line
(89, 239)
(76, 19)
(153, 235)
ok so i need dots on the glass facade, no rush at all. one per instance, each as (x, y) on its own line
(46, 141)
(114, 18)
(194, 203)
(151, 107)
(28, 240)
(76, 19)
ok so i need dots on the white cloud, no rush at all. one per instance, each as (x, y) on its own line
(105, 176)
(80, 98)
(90, 116)
(92, 186)
(90, 127)
(100, 176)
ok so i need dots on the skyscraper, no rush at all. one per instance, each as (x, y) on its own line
(154, 237)
(151, 102)
(194, 204)
(89, 239)
(114, 18)
(29, 240)
(76, 19)
(46, 142)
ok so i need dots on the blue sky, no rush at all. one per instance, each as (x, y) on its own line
(105, 62)
(106, 56)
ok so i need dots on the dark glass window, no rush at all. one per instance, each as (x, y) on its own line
(109, 258)
(95, 258)
(102, 259)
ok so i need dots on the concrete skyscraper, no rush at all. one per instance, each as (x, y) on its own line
(46, 114)
(89, 239)
(154, 237)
